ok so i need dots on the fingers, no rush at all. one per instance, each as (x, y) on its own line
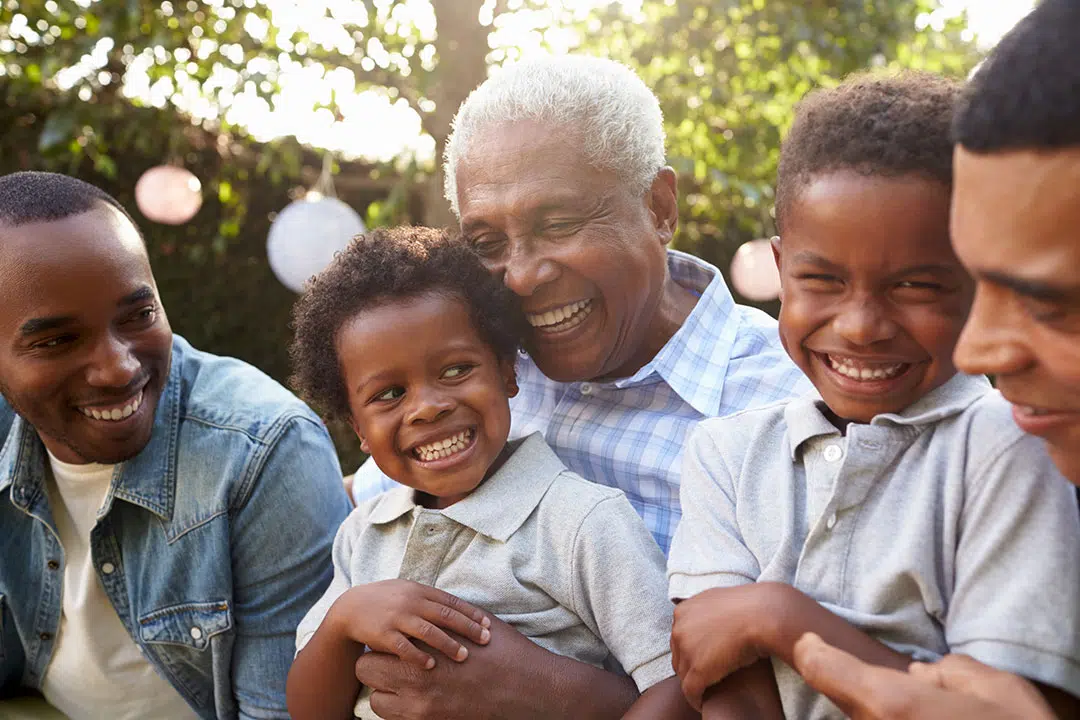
(402, 646)
(693, 689)
(446, 616)
(844, 679)
(461, 607)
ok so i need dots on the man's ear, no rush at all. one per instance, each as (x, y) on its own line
(663, 204)
(507, 366)
(774, 243)
(363, 443)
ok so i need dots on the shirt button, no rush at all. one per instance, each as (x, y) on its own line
(45, 636)
(431, 530)
(108, 568)
(586, 388)
(53, 565)
(831, 522)
(196, 633)
(833, 453)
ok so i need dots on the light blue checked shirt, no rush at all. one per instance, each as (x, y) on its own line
(629, 433)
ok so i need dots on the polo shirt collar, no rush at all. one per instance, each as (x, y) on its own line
(805, 416)
(501, 504)
(694, 361)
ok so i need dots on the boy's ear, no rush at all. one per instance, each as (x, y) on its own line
(508, 368)
(774, 242)
(363, 443)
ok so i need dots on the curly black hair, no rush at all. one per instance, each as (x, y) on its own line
(873, 124)
(388, 266)
(1026, 95)
(32, 196)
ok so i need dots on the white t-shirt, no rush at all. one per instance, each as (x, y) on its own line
(97, 670)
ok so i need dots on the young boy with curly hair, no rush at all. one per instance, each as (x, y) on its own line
(410, 339)
(898, 512)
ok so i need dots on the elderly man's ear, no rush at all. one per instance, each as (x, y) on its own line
(664, 204)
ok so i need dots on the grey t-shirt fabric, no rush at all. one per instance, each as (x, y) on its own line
(942, 528)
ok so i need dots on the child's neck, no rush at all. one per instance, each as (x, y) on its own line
(435, 502)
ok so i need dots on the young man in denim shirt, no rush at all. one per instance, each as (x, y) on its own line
(167, 514)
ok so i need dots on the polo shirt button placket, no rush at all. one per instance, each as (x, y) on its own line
(586, 388)
(833, 453)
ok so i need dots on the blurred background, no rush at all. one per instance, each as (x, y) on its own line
(262, 101)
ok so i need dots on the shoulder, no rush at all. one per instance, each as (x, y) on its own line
(227, 395)
(737, 433)
(990, 434)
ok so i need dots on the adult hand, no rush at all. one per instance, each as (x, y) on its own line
(510, 677)
(718, 632)
(386, 615)
(957, 688)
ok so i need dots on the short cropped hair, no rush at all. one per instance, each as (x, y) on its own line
(873, 124)
(1026, 95)
(33, 196)
(387, 266)
(602, 103)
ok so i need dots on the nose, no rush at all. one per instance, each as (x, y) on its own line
(527, 268)
(993, 339)
(864, 322)
(113, 364)
(427, 404)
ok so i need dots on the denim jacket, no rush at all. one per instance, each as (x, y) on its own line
(217, 538)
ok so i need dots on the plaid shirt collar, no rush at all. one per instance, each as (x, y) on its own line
(694, 361)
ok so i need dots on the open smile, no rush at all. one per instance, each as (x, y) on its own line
(865, 376)
(116, 412)
(560, 319)
(1042, 421)
(446, 452)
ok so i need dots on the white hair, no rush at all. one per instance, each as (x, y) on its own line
(602, 102)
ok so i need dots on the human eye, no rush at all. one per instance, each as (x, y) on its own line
(143, 317)
(389, 394)
(455, 372)
(919, 289)
(486, 245)
(54, 342)
(819, 282)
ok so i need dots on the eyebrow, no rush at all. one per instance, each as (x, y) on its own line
(38, 325)
(1030, 288)
(806, 256)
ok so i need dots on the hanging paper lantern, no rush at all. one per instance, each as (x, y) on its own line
(168, 194)
(753, 271)
(305, 236)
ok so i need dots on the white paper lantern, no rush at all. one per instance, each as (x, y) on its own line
(305, 236)
(754, 273)
(168, 194)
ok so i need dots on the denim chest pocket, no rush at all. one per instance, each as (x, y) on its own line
(191, 625)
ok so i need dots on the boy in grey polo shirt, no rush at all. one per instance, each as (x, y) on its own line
(899, 512)
(408, 337)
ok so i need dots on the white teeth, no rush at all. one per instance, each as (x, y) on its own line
(566, 317)
(846, 367)
(114, 414)
(444, 448)
(1028, 410)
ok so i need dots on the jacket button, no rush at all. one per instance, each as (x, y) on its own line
(45, 636)
(53, 565)
(108, 568)
(196, 633)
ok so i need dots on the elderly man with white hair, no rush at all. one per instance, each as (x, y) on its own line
(556, 170)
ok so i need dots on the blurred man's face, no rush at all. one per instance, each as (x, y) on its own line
(1016, 226)
(85, 346)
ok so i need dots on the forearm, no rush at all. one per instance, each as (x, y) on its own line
(747, 694)
(322, 683)
(795, 613)
(663, 700)
(568, 688)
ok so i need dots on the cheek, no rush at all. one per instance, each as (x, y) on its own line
(1059, 353)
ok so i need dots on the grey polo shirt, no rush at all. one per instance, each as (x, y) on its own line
(942, 528)
(567, 562)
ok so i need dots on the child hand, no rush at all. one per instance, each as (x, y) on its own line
(386, 616)
(715, 634)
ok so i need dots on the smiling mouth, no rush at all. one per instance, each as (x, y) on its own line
(447, 447)
(115, 413)
(561, 318)
(863, 371)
